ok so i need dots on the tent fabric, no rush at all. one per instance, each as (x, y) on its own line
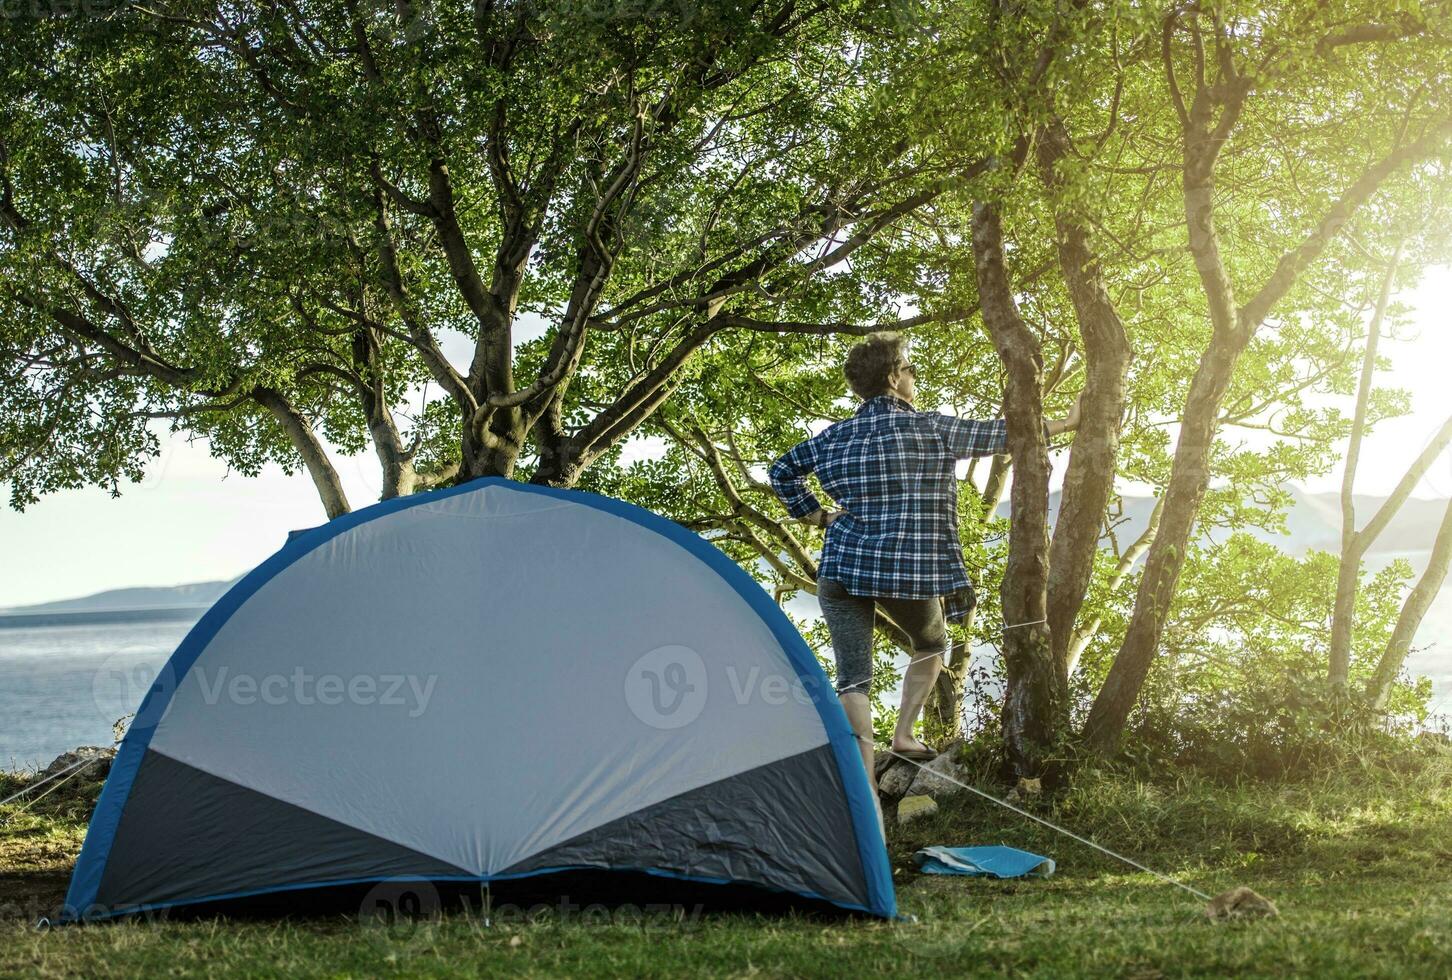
(479, 683)
(993, 861)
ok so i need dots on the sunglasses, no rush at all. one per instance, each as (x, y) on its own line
(909, 368)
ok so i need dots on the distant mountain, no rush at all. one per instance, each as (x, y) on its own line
(197, 594)
(1313, 522)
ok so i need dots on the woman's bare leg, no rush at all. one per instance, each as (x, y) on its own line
(922, 620)
(917, 684)
(859, 716)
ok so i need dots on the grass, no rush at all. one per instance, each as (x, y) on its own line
(1356, 860)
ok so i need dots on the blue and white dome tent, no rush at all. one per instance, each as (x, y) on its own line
(490, 683)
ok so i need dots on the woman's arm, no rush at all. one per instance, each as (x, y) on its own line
(967, 438)
(1069, 422)
(821, 517)
(788, 477)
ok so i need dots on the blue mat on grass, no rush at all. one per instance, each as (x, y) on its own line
(995, 861)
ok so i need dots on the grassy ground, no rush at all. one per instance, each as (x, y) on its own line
(1357, 863)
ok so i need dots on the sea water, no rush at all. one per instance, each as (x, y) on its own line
(66, 679)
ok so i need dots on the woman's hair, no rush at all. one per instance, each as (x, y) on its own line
(870, 362)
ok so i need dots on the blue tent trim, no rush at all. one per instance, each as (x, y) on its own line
(71, 914)
(872, 852)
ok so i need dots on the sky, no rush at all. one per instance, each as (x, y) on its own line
(192, 521)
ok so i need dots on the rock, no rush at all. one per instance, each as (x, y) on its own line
(882, 762)
(897, 778)
(1025, 787)
(1240, 903)
(941, 777)
(96, 770)
(915, 807)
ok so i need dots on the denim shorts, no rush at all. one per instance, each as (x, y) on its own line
(850, 619)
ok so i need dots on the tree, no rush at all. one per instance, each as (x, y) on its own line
(1083, 186)
(293, 208)
(1231, 59)
(1354, 542)
(1036, 600)
(1035, 695)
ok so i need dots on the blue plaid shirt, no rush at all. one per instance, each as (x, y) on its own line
(893, 470)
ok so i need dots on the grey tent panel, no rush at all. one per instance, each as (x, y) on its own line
(783, 825)
(477, 617)
(187, 835)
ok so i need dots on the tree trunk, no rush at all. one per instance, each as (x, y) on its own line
(1084, 632)
(394, 462)
(998, 472)
(1189, 477)
(1417, 603)
(399, 477)
(1035, 696)
(309, 447)
(1348, 576)
(491, 444)
(1089, 478)
(1190, 472)
(1353, 545)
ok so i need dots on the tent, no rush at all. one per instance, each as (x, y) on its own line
(489, 683)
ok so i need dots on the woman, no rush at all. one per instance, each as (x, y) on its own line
(894, 544)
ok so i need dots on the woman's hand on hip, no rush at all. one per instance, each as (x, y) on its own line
(823, 518)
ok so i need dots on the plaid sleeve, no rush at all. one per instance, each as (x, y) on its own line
(967, 438)
(789, 478)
